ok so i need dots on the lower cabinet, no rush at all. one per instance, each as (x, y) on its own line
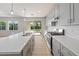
(28, 48)
(60, 50)
(56, 48)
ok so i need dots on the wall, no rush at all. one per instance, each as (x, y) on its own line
(21, 25)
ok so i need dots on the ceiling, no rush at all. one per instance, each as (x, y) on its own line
(31, 9)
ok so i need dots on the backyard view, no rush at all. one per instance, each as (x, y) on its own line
(36, 26)
(2, 25)
(13, 25)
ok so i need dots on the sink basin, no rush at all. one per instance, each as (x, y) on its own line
(26, 34)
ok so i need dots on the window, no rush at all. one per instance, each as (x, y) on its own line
(2, 25)
(36, 25)
(13, 25)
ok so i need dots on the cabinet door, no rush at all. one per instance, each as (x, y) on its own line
(27, 49)
(66, 52)
(32, 43)
(56, 48)
(76, 13)
(64, 14)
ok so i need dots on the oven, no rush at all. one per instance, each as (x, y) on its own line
(49, 40)
(50, 34)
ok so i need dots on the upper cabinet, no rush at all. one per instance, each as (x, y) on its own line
(53, 16)
(64, 14)
(69, 14)
(61, 13)
(76, 14)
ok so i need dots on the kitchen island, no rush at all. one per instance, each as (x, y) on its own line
(17, 45)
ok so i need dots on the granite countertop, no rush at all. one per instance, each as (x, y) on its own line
(71, 43)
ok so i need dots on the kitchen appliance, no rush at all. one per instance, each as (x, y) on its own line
(50, 34)
(48, 38)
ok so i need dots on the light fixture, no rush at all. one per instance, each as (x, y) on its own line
(12, 11)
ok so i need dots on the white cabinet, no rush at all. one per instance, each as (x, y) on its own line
(66, 52)
(69, 14)
(32, 43)
(60, 50)
(76, 13)
(56, 48)
(53, 15)
(64, 14)
(48, 23)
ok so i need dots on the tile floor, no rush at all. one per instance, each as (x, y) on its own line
(40, 48)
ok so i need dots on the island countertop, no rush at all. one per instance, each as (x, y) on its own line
(13, 44)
